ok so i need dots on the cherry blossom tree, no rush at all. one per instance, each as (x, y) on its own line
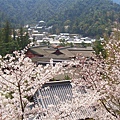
(19, 79)
(87, 74)
(111, 75)
(101, 77)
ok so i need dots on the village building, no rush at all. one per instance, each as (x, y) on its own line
(55, 93)
(43, 54)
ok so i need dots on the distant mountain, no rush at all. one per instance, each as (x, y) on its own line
(87, 17)
(29, 11)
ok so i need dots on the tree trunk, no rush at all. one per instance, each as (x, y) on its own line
(21, 102)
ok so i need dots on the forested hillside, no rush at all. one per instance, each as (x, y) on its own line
(87, 17)
(90, 17)
(30, 11)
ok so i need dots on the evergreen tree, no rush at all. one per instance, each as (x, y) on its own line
(9, 42)
(7, 32)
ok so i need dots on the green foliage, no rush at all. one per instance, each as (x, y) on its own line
(99, 49)
(22, 12)
(71, 44)
(86, 17)
(67, 77)
(8, 44)
(63, 42)
(89, 17)
(9, 95)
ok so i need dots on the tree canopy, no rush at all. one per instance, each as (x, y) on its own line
(11, 39)
(87, 17)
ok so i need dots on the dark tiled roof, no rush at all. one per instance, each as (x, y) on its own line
(38, 50)
(49, 53)
(81, 49)
(59, 53)
(86, 52)
(45, 53)
(53, 93)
